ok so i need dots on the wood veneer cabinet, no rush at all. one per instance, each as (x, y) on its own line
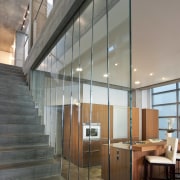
(75, 149)
(135, 123)
(149, 124)
(119, 163)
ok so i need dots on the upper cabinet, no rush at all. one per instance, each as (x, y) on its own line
(149, 124)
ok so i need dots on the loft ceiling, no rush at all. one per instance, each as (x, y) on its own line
(11, 18)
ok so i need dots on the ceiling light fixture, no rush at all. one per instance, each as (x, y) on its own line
(24, 18)
(137, 82)
(116, 64)
(111, 48)
(105, 75)
(134, 69)
(151, 74)
(79, 69)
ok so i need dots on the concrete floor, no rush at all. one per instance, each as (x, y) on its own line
(94, 172)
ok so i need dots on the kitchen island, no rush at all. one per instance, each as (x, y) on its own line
(120, 155)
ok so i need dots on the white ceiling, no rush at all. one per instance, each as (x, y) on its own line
(155, 40)
(155, 44)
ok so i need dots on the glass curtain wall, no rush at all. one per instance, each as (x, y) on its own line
(166, 100)
(82, 92)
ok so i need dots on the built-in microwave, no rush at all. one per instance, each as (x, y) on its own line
(91, 131)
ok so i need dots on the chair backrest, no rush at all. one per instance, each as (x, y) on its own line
(171, 148)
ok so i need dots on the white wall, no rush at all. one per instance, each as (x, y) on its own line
(19, 51)
(6, 58)
(119, 100)
(99, 95)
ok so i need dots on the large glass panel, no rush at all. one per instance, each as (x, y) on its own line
(164, 88)
(84, 94)
(167, 110)
(169, 97)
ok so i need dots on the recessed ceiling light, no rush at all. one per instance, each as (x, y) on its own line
(111, 48)
(105, 75)
(134, 69)
(151, 74)
(137, 82)
(81, 20)
(79, 69)
(116, 64)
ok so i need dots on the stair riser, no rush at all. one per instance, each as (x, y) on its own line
(23, 141)
(21, 156)
(15, 117)
(19, 121)
(14, 82)
(9, 67)
(11, 73)
(13, 92)
(26, 98)
(18, 103)
(11, 77)
(30, 173)
(6, 71)
(16, 86)
(7, 129)
(18, 110)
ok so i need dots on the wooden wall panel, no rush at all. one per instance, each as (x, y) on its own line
(135, 123)
(149, 124)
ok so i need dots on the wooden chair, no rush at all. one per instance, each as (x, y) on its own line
(168, 160)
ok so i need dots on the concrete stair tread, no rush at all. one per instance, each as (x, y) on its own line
(29, 116)
(16, 129)
(17, 103)
(25, 148)
(16, 122)
(22, 146)
(12, 75)
(10, 66)
(30, 170)
(17, 72)
(28, 164)
(19, 121)
(12, 156)
(12, 80)
(58, 177)
(12, 135)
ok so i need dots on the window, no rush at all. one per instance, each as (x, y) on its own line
(166, 100)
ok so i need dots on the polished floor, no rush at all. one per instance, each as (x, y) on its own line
(71, 171)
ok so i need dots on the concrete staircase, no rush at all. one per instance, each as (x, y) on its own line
(25, 153)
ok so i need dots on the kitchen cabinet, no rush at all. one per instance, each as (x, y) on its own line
(149, 124)
(79, 151)
(119, 163)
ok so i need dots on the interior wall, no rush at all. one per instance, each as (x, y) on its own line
(99, 96)
(6, 58)
(19, 51)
